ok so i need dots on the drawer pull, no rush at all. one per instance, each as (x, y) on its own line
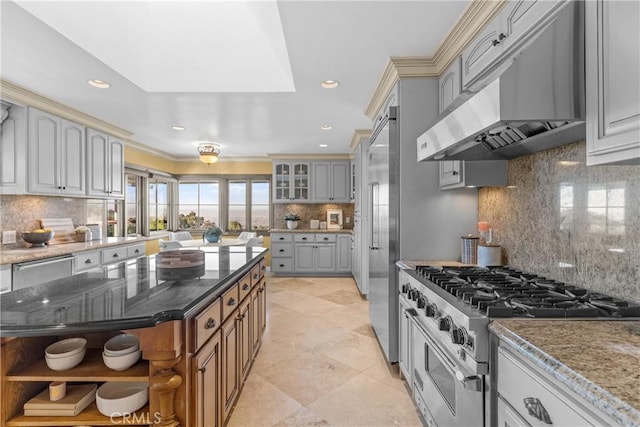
(115, 255)
(281, 238)
(304, 238)
(281, 250)
(87, 261)
(245, 287)
(536, 410)
(137, 251)
(326, 238)
(231, 302)
(281, 265)
(255, 276)
(211, 323)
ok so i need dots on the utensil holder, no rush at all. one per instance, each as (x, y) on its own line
(469, 249)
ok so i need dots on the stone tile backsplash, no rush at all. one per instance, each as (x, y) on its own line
(309, 211)
(21, 212)
(569, 222)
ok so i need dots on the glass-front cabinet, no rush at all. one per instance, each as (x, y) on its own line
(291, 182)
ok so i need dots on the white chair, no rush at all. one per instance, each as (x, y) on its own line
(180, 235)
(168, 245)
(246, 235)
(255, 241)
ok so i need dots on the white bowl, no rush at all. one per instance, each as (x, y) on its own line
(115, 399)
(121, 344)
(65, 348)
(122, 361)
(67, 362)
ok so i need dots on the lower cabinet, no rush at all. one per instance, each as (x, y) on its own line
(309, 253)
(245, 341)
(205, 374)
(230, 376)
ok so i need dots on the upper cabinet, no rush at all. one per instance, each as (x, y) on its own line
(449, 85)
(482, 173)
(513, 27)
(105, 175)
(291, 182)
(56, 155)
(331, 181)
(612, 84)
(13, 151)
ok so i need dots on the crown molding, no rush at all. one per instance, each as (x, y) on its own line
(358, 136)
(20, 95)
(477, 14)
(307, 156)
(143, 147)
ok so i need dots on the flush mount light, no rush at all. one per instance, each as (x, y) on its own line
(324, 145)
(329, 84)
(100, 84)
(326, 127)
(177, 127)
(208, 153)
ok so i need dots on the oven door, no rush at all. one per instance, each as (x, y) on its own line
(450, 396)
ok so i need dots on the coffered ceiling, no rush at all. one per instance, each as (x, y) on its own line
(245, 75)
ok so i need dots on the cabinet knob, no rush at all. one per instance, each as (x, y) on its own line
(202, 370)
(137, 251)
(264, 268)
(454, 173)
(211, 323)
(502, 36)
(245, 287)
(255, 276)
(87, 261)
(115, 255)
(231, 302)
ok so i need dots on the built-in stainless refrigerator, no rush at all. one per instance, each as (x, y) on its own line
(409, 217)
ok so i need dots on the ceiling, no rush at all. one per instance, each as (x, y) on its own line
(245, 75)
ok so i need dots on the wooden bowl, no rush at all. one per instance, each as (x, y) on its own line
(180, 264)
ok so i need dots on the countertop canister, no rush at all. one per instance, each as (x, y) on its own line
(469, 249)
(489, 255)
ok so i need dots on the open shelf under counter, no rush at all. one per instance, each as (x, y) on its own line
(91, 369)
(90, 416)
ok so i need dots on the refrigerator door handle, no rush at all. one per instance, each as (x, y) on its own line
(374, 243)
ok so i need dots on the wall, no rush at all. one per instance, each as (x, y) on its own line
(569, 222)
(309, 211)
(21, 212)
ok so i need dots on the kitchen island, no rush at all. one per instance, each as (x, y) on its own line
(198, 336)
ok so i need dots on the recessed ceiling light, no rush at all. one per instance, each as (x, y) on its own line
(177, 127)
(326, 127)
(324, 145)
(329, 84)
(568, 163)
(100, 84)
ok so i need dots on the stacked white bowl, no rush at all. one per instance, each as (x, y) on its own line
(121, 352)
(117, 398)
(65, 354)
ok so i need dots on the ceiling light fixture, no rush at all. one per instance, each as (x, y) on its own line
(100, 84)
(329, 84)
(326, 127)
(324, 145)
(208, 153)
(177, 127)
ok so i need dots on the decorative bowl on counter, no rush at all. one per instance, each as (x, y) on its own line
(118, 398)
(37, 238)
(180, 264)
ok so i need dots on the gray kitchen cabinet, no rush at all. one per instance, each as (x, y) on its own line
(343, 256)
(13, 151)
(105, 175)
(304, 258)
(612, 85)
(325, 257)
(282, 253)
(514, 26)
(291, 182)
(482, 173)
(331, 181)
(314, 253)
(56, 155)
(450, 85)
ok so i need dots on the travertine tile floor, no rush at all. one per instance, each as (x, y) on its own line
(319, 364)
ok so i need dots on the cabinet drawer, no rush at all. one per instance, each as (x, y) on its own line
(326, 238)
(303, 237)
(263, 267)
(518, 383)
(114, 255)
(281, 265)
(87, 260)
(282, 237)
(255, 274)
(281, 249)
(205, 324)
(229, 301)
(244, 285)
(134, 251)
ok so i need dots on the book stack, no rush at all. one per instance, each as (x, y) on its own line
(78, 397)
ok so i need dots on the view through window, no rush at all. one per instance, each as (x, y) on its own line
(158, 205)
(199, 202)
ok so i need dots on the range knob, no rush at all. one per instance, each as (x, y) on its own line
(413, 294)
(405, 288)
(431, 310)
(444, 323)
(459, 336)
(421, 301)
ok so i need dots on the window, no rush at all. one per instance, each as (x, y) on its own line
(237, 206)
(131, 205)
(198, 201)
(158, 205)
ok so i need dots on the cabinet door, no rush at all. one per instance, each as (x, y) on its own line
(301, 181)
(206, 382)
(450, 172)
(13, 154)
(43, 152)
(449, 85)
(343, 260)
(613, 87)
(262, 313)
(115, 167)
(303, 258)
(325, 257)
(72, 158)
(230, 379)
(245, 346)
(321, 181)
(97, 178)
(256, 331)
(522, 18)
(480, 53)
(281, 182)
(340, 182)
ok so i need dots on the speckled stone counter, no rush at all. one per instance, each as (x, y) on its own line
(23, 254)
(597, 359)
(311, 230)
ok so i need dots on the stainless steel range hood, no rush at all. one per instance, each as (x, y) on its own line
(535, 104)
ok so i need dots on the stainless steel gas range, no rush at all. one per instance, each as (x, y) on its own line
(444, 340)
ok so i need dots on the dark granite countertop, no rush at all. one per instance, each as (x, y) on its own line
(599, 360)
(124, 295)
